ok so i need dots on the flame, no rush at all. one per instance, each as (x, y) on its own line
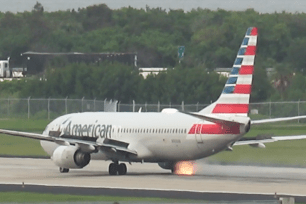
(187, 168)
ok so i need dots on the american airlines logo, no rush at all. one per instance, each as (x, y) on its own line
(88, 130)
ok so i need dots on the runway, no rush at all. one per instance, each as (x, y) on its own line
(209, 178)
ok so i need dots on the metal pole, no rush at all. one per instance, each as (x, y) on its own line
(158, 106)
(197, 106)
(82, 103)
(95, 104)
(119, 106)
(66, 108)
(29, 107)
(133, 106)
(183, 108)
(270, 110)
(299, 110)
(8, 107)
(49, 108)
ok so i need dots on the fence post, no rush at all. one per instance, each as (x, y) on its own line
(8, 107)
(197, 106)
(82, 103)
(133, 106)
(270, 109)
(183, 108)
(95, 105)
(146, 106)
(49, 108)
(158, 106)
(299, 110)
(118, 105)
(66, 108)
(29, 107)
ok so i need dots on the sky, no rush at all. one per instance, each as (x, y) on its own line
(262, 6)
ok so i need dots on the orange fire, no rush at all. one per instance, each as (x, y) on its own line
(185, 168)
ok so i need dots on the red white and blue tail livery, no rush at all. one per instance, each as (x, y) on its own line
(165, 138)
(235, 96)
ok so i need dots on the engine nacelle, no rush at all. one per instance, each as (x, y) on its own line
(167, 165)
(70, 157)
(248, 127)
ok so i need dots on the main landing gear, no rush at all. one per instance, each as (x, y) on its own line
(63, 170)
(115, 168)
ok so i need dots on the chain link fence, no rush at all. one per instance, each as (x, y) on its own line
(33, 108)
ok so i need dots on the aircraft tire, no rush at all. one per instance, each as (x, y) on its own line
(113, 169)
(122, 169)
(63, 170)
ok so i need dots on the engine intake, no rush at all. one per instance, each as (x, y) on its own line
(70, 157)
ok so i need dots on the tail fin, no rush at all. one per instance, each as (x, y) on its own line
(235, 96)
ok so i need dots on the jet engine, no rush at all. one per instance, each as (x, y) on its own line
(167, 165)
(248, 127)
(70, 157)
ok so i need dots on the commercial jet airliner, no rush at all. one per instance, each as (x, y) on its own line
(165, 138)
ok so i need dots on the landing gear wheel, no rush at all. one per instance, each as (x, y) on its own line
(112, 169)
(63, 170)
(122, 169)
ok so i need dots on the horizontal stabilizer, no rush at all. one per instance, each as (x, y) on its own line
(263, 121)
(260, 142)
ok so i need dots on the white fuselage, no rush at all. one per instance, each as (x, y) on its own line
(156, 137)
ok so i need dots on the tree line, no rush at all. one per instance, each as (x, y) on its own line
(211, 39)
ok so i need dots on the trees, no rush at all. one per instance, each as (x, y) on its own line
(211, 39)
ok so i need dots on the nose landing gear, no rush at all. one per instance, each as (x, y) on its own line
(115, 168)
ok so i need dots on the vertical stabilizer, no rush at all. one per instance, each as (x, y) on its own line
(235, 96)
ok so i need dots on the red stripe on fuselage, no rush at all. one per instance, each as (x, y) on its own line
(243, 89)
(246, 70)
(214, 129)
(231, 108)
(250, 50)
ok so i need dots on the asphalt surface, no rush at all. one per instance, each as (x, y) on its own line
(211, 182)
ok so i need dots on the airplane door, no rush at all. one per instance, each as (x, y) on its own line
(198, 133)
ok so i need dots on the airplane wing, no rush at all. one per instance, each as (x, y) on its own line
(272, 120)
(254, 142)
(86, 146)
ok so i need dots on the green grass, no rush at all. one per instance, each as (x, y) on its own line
(284, 153)
(22, 197)
(19, 146)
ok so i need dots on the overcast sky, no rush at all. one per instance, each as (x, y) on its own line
(263, 6)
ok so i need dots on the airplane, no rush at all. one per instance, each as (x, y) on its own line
(165, 137)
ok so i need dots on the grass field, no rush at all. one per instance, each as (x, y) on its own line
(284, 153)
(22, 197)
